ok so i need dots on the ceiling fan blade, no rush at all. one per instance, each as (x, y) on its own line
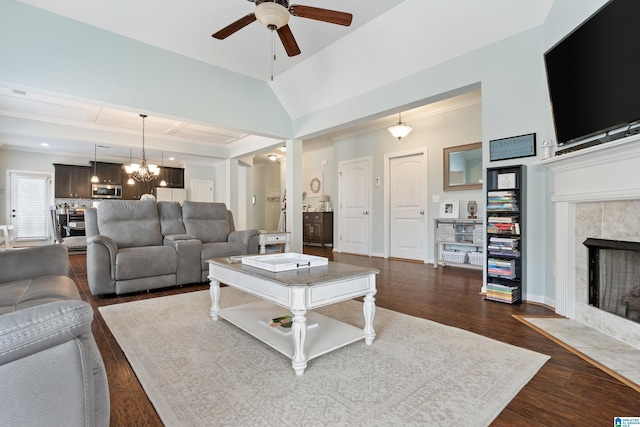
(235, 26)
(325, 15)
(288, 41)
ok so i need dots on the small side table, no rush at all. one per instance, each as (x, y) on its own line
(274, 237)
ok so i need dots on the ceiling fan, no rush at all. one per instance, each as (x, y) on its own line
(275, 14)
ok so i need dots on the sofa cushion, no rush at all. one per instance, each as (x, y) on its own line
(24, 293)
(130, 223)
(221, 250)
(208, 222)
(170, 214)
(134, 263)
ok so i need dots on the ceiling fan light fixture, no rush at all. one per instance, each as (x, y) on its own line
(400, 129)
(272, 15)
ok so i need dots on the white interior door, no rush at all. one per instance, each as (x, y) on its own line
(29, 205)
(355, 206)
(201, 190)
(407, 218)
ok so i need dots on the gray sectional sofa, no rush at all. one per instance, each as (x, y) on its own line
(135, 245)
(51, 371)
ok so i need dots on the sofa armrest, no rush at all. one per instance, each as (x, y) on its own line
(101, 264)
(50, 260)
(111, 246)
(48, 351)
(188, 249)
(34, 329)
(250, 238)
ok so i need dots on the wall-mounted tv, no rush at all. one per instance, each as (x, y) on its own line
(594, 76)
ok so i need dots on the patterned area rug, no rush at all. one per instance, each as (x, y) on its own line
(198, 372)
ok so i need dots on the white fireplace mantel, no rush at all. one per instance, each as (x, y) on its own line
(602, 173)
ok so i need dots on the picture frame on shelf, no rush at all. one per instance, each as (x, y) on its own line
(449, 208)
(506, 181)
(305, 208)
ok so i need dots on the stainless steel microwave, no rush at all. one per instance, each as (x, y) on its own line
(106, 191)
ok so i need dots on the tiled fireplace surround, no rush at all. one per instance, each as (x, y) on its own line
(596, 193)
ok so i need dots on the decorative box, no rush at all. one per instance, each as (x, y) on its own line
(284, 262)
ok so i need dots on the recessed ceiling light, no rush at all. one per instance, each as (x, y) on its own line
(44, 144)
(171, 158)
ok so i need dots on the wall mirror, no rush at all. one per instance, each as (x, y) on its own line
(463, 167)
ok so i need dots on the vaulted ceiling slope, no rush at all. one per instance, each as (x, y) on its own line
(158, 56)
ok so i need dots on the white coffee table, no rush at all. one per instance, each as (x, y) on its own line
(297, 292)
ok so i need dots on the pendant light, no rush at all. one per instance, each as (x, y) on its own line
(143, 172)
(400, 130)
(94, 178)
(130, 181)
(163, 183)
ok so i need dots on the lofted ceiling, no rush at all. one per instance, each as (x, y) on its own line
(186, 28)
(69, 126)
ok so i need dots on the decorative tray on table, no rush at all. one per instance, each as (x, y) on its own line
(284, 262)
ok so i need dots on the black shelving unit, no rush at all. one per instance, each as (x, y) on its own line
(505, 233)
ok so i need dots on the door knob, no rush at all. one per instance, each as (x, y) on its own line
(421, 212)
(365, 213)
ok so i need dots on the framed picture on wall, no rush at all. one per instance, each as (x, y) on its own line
(315, 186)
(449, 208)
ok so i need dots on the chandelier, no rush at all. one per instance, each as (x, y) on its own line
(142, 172)
(400, 130)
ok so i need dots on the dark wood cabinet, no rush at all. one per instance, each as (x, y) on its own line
(109, 173)
(317, 228)
(173, 176)
(73, 181)
(137, 189)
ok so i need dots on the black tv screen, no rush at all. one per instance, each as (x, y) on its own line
(594, 74)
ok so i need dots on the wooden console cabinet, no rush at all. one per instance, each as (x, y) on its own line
(317, 228)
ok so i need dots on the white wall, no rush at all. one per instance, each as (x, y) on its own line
(458, 127)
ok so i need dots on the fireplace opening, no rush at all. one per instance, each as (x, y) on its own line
(614, 277)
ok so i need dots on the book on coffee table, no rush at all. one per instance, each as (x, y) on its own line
(283, 324)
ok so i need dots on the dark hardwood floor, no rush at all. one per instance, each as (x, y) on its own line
(567, 391)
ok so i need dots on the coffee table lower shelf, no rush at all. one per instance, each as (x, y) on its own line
(330, 334)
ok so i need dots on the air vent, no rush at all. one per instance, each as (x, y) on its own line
(20, 92)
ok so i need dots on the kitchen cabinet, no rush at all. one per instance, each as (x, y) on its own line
(109, 173)
(173, 176)
(137, 189)
(73, 181)
(317, 228)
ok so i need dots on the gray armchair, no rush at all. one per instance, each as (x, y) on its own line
(51, 371)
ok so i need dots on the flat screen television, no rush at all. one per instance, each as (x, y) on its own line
(594, 76)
